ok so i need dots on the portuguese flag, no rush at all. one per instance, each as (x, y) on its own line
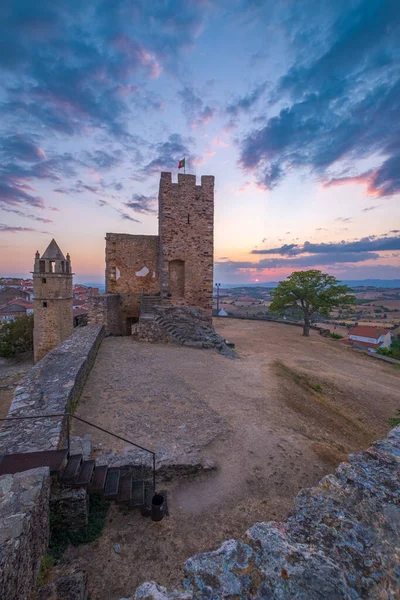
(181, 164)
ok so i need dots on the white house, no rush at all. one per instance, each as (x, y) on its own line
(369, 337)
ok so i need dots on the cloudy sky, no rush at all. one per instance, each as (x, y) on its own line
(293, 106)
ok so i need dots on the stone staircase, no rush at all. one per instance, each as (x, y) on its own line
(190, 326)
(148, 303)
(75, 472)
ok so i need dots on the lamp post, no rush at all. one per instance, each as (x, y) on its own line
(217, 285)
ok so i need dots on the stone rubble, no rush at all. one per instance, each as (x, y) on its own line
(182, 325)
(341, 542)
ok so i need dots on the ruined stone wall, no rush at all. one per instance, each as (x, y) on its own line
(131, 263)
(186, 229)
(53, 320)
(105, 310)
(24, 530)
(340, 542)
(114, 311)
(129, 309)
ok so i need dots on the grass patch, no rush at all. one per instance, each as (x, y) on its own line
(394, 421)
(301, 379)
(46, 564)
(314, 390)
(60, 537)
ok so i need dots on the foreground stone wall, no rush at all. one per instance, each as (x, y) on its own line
(24, 530)
(52, 386)
(341, 541)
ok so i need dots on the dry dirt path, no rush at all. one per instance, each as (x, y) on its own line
(262, 421)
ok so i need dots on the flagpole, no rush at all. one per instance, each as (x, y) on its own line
(184, 168)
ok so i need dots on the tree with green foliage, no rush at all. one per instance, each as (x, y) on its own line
(310, 291)
(16, 337)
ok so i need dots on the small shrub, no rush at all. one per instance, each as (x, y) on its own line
(46, 564)
(393, 422)
(336, 336)
(317, 387)
(16, 336)
(60, 537)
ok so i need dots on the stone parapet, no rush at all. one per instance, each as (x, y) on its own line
(52, 386)
(24, 530)
(340, 542)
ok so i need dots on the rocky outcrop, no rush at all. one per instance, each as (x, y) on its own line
(340, 542)
(24, 530)
(182, 325)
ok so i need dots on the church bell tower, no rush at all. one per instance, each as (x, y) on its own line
(52, 288)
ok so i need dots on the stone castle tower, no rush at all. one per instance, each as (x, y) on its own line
(186, 236)
(176, 265)
(52, 288)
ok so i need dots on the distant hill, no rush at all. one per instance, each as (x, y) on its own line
(378, 283)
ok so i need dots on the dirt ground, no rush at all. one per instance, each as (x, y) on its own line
(276, 420)
(11, 372)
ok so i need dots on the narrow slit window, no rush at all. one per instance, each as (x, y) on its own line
(188, 219)
(44, 304)
(52, 265)
(44, 279)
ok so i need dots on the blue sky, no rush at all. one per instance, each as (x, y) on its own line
(293, 106)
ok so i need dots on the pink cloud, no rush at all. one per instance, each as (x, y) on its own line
(368, 179)
(252, 186)
(220, 142)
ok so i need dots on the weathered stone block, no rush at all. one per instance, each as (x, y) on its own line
(24, 530)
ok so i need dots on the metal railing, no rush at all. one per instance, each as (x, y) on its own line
(71, 415)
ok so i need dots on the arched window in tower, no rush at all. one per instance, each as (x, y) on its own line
(177, 278)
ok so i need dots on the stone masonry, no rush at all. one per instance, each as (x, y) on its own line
(52, 386)
(24, 530)
(187, 240)
(52, 287)
(176, 265)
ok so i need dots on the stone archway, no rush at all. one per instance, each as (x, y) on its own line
(177, 278)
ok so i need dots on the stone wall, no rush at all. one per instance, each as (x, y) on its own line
(186, 228)
(24, 530)
(340, 542)
(148, 330)
(53, 385)
(131, 263)
(114, 311)
(105, 310)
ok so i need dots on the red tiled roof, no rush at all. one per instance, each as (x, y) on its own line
(19, 302)
(367, 344)
(368, 331)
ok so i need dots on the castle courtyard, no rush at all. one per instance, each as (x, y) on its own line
(273, 421)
